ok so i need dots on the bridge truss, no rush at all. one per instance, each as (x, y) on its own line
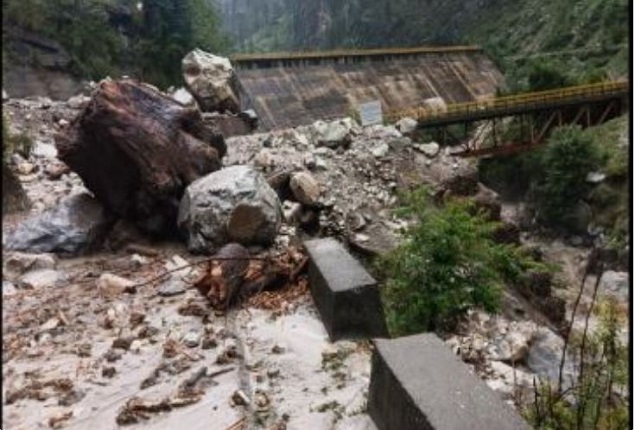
(535, 115)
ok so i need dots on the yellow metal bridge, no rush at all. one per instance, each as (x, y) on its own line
(539, 112)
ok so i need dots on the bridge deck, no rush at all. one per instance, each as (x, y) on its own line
(296, 89)
(515, 104)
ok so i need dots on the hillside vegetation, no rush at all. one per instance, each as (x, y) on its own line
(115, 37)
(580, 37)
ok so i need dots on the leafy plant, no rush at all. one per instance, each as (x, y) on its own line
(561, 184)
(447, 264)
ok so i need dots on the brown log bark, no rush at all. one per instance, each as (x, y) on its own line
(137, 150)
(223, 279)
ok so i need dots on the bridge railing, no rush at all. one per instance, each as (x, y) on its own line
(525, 100)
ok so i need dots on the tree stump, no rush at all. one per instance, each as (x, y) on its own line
(137, 150)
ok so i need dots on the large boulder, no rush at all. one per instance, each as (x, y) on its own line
(233, 204)
(211, 80)
(76, 226)
(136, 150)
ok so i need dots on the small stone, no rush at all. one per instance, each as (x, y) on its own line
(273, 373)
(406, 125)
(8, 288)
(63, 122)
(172, 287)
(430, 150)
(117, 316)
(209, 342)
(18, 263)
(278, 349)
(44, 278)
(50, 324)
(380, 150)
(56, 170)
(26, 168)
(239, 398)
(305, 188)
(122, 343)
(111, 356)
(108, 372)
(595, 177)
(84, 350)
(110, 285)
(192, 339)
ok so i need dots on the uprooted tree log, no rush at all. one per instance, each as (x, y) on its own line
(137, 150)
(231, 274)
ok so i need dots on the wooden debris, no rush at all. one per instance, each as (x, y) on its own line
(58, 421)
(225, 281)
(136, 409)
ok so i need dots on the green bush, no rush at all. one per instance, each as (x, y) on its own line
(560, 183)
(446, 265)
(11, 143)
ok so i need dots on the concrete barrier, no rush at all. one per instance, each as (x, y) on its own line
(345, 294)
(418, 384)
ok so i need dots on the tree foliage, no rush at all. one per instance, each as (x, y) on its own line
(114, 37)
(561, 183)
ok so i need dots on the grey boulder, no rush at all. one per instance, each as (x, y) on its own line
(235, 204)
(77, 225)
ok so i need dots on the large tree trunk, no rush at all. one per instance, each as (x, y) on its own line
(137, 150)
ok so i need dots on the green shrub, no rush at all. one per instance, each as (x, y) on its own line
(560, 182)
(446, 265)
(11, 143)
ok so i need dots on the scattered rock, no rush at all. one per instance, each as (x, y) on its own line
(235, 203)
(56, 170)
(333, 134)
(211, 80)
(513, 348)
(44, 278)
(305, 188)
(545, 354)
(430, 150)
(76, 226)
(406, 125)
(615, 283)
(26, 168)
(8, 288)
(18, 263)
(184, 97)
(122, 343)
(110, 285)
(108, 372)
(380, 150)
(192, 339)
(78, 102)
(595, 177)
(173, 286)
(489, 201)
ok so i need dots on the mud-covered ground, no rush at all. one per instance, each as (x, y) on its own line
(76, 356)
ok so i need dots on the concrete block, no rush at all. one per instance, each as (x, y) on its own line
(345, 294)
(417, 383)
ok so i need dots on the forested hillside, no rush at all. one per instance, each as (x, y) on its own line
(112, 37)
(581, 37)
